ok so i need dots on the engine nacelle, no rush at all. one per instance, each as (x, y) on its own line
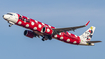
(29, 34)
(47, 30)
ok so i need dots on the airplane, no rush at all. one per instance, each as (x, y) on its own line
(47, 32)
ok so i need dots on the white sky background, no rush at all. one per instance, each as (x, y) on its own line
(58, 13)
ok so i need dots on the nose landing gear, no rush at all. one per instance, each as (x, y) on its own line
(11, 23)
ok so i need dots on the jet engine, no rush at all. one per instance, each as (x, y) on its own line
(47, 31)
(29, 34)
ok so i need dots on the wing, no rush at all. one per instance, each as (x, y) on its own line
(93, 41)
(58, 30)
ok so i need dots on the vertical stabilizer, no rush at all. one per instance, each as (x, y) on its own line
(86, 36)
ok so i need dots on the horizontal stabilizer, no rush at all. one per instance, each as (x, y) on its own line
(93, 41)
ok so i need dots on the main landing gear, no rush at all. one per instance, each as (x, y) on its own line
(46, 38)
(43, 39)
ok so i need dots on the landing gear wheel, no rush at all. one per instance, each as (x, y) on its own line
(50, 39)
(10, 25)
(43, 39)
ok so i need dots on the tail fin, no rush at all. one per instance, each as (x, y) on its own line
(86, 36)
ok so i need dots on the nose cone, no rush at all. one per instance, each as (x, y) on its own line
(6, 17)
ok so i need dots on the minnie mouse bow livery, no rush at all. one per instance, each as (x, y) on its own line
(47, 32)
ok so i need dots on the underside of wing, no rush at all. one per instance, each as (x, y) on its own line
(93, 41)
(58, 30)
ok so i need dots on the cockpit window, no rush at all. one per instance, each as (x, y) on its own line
(9, 14)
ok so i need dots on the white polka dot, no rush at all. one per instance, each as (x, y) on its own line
(35, 28)
(27, 25)
(55, 35)
(43, 23)
(68, 40)
(40, 26)
(69, 33)
(59, 33)
(49, 26)
(75, 35)
(32, 23)
(74, 42)
(19, 22)
(42, 31)
(48, 30)
(61, 38)
(36, 21)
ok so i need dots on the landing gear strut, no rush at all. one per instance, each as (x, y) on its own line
(11, 23)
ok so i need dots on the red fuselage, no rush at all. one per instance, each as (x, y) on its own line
(37, 27)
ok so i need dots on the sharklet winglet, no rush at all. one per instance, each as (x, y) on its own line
(87, 23)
